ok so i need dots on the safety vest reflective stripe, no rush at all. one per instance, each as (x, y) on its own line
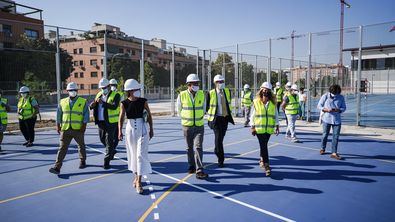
(25, 107)
(3, 112)
(247, 99)
(112, 114)
(72, 118)
(192, 112)
(213, 103)
(292, 106)
(279, 94)
(264, 118)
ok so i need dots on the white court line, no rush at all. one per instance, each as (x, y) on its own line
(156, 216)
(215, 193)
(153, 196)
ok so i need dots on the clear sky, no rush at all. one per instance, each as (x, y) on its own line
(213, 23)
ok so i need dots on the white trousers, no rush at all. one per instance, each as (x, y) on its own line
(136, 143)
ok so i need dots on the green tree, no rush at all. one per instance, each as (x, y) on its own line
(218, 65)
(148, 75)
(38, 88)
(123, 67)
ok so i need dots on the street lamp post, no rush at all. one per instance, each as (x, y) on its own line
(340, 67)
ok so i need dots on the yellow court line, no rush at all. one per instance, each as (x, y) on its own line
(93, 178)
(167, 192)
(61, 186)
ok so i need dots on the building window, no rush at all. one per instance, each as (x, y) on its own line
(80, 51)
(381, 63)
(102, 73)
(93, 62)
(81, 75)
(94, 86)
(82, 86)
(101, 47)
(75, 63)
(75, 51)
(133, 52)
(101, 61)
(93, 74)
(149, 55)
(81, 63)
(31, 34)
(390, 63)
(128, 50)
(76, 75)
(120, 50)
(93, 49)
(6, 29)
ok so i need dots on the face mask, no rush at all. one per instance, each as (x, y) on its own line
(105, 91)
(221, 85)
(195, 88)
(137, 93)
(24, 95)
(295, 92)
(113, 88)
(72, 93)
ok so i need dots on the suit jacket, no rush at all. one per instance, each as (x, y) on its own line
(228, 118)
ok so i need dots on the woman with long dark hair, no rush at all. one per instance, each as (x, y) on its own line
(264, 122)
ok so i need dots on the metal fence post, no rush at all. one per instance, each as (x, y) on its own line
(358, 114)
(269, 62)
(142, 80)
(173, 107)
(255, 74)
(209, 72)
(57, 57)
(236, 97)
(105, 55)
(197, 61)
(204, 70)
(308, 82)
(280, 73)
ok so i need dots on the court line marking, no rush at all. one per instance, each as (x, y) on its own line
(184, 181)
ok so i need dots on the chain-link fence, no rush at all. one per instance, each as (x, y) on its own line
(46, 58)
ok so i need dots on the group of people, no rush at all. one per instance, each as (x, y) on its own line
(111, 107)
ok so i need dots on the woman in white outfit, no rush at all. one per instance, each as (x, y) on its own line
(137, 133)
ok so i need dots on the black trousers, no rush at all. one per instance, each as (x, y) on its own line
(116, 140)
(107, 134)
(27, 128)
(278, 107)
(263, 140)
(220, 127)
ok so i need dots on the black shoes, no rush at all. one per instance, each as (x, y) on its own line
(106, 165)
(82, 164)
(221, 165)
(201, 175)
(54, 170)
(29, 144)
(25, 143)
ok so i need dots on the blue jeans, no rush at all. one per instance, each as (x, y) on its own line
(326, 128)
(302, 109)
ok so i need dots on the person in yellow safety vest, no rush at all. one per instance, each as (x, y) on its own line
(264, 117)
(27, 113)
(285, 93)
(71, 118)
(191, 106)
(219, 115)
(114, 88)
(246, 103)
(4, 108)
(106, 114)
(290, 106)
(279, 93)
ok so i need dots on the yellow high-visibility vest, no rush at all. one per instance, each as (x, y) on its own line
(264, 119)
(192, 112)
(3, 112)
(292, 106)
(113, 114)
(72, 118)
(247, 99)
(213, 103)
(25, 107)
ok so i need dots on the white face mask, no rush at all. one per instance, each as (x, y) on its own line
(113, 88)
(72, 93)
(137, 93)
(221, 85)
(105, 91)
(195, 88)
(24, 95)
(295, 92)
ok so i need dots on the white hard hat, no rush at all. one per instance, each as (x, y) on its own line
(294, 87)
(103, 83)
(246, 86)
(266, 85)
(192, 78)
(71, 86)
(131, 84)
(24, 89)
(113, 82)
(288, 85)
(218, 78)
(278, 84)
